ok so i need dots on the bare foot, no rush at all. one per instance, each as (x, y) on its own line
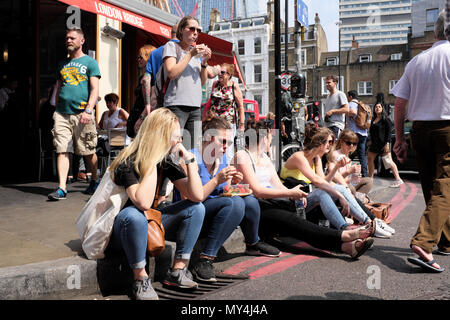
(359, 233)
(423, 254)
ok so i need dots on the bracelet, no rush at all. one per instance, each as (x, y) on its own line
(203, 66)
(191, 160)
(88, 111)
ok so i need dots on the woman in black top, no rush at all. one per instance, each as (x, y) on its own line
(138, 168)
(380, 137)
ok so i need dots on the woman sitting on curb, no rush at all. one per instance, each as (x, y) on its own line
(258, 171)
(137, 168)
(224, 214)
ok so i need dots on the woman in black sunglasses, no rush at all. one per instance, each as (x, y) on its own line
(349, 175)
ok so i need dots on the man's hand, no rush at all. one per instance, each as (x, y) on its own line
(329, 113)
(401, 149)
(85, 118)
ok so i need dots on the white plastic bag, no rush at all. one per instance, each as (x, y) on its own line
(386, 161)
(96, 219)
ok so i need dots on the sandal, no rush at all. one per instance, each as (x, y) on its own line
(396, 184)
(366, 245)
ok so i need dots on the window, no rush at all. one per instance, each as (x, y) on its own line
(392, 83)
(225, 26)
(244, 24)
(282, 38)
(257, 71)
(332, 61)
(365, 58)
(324, 86)
(258, 22)
(303, 57)
(432, 15)
(365, 88)
(258, 98)
(396, 56)
(241, 47)
(257, 45)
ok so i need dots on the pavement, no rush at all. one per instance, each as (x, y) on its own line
(40, 249)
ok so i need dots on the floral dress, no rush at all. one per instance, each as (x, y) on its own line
(222, 101)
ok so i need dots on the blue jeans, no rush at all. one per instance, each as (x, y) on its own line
(182, 222)
(222, 216)
(329, 209)
(362, 156)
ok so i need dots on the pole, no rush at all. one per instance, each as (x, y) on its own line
(298, 41)
(277, 75)
(339, 62)
(286, 36)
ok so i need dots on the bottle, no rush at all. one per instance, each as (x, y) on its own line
(300, 209)
(354, 179)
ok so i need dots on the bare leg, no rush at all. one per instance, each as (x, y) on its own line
(91, 165)
(394, 168)
(63, 163)
(140, 272)
(371, 163)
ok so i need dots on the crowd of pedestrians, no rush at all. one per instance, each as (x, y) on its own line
(174, 142)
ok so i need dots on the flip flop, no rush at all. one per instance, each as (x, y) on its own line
(368, 242)
(427, 265)
(442, 253)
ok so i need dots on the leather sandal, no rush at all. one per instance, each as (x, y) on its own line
(367, 243)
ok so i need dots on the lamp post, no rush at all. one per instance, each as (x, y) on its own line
(339, 59)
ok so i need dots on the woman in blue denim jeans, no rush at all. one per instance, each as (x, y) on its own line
(306, 165)
(279, 216)
(137, 169)
(224, 214)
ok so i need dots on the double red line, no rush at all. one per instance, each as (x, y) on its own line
(288, 260)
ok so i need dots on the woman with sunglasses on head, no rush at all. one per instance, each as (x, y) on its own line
(380, 141)
(344, 147)
(185, 64)
(306, 166)
(279, 215)
(223, 214)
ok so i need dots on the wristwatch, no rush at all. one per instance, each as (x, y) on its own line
(191, 160)
(88, 111)
(203, 66)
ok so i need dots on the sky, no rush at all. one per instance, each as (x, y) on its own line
(328, 11)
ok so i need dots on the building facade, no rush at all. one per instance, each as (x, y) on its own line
(250, 38)
(374, 23)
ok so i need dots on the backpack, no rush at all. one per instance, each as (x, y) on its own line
(363, 116)
(162, 81)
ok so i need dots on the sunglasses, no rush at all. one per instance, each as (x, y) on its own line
(140, 57)
(223, 72)
(350, 143)
(193, 29)
(225, 142)
(330, 141)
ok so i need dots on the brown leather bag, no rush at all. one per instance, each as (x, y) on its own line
(156, 243)
(379, 210)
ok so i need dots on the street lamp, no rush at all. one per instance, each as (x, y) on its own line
(339, 23)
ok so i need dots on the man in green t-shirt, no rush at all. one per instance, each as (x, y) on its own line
(75, 125)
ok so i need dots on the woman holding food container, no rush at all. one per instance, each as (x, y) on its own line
(226, 205)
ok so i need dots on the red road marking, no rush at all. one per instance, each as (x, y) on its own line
(280, 266)
(399, 203)
(238, 268)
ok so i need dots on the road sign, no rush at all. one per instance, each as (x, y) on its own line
(302, 13)
(285, 81)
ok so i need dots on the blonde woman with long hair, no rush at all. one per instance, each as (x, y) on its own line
(156, 153)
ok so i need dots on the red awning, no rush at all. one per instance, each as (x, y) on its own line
(122, 15)
(222, 50)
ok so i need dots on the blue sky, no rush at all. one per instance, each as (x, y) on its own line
(328, 11)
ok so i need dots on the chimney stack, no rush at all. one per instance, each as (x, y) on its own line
(214, 17)
(355, 44)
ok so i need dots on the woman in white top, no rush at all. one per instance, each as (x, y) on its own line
(346, 145)
(115, 117)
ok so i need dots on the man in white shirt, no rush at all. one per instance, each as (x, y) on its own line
(336, 106)
(426, 85)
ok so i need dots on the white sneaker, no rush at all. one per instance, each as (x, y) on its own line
(385, 226)
(380, 231)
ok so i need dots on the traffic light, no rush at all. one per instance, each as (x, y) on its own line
(298, 85)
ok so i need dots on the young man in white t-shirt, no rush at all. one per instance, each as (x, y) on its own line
(336, 106)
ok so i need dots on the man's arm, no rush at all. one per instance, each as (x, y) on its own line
(400, 147)
(146, 92)
(93, 96)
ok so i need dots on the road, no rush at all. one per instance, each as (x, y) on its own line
(303, 273)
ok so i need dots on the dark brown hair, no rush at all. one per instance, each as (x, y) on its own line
(315, 137)
(112, 97)
(183, 24)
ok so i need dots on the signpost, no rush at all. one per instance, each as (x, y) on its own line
(286, 80)
(302, 13)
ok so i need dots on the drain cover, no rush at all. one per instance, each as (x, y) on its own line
(223, 282)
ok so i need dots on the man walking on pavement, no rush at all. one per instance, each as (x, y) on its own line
(336, 106)
(75, 125)
(361, 133)
(426, 85)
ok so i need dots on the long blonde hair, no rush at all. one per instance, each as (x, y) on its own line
(152, 142)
